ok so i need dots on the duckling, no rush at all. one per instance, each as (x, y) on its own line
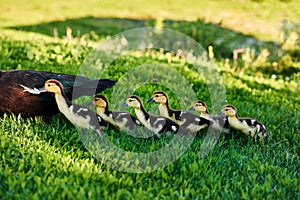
(78, 115)
(119, 119)
(24, 86)
(156, 124)
(201, 107)
(164, 109)
(248, 126)
(217, 122)
(185, 119)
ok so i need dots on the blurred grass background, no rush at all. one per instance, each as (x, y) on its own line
(258, 18)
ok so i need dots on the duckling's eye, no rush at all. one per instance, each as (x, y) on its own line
(156, 95)
(95, 99)
(130, 100)
(49, 84)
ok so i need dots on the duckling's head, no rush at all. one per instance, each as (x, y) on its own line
(100, 101)
(200, 106)
(158, 97)
(133, 101)
(229, 110)
(54, 86)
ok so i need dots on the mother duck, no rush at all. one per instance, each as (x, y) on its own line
(19, 91)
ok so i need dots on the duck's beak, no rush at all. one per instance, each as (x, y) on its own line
(150, 100)
(124, 104)
(90, 104)
(191, 108)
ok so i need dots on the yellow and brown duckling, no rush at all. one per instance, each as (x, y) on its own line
(120, 119)
(164, 108)
(200, 106)
(23, 86)
(217, 122)
(78, 115)
(248, 126)
(156, 124)
(185, 119)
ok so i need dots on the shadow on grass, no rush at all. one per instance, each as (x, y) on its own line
(223, 40)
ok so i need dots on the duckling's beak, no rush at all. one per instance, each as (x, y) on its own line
(43, 89)
(220, 114)
(191, 108)
(124, 104)
(90, 104)
(150, 100)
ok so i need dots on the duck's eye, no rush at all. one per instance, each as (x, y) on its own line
(95, 99)
(130, 100)
(49, 84)
(156, 95)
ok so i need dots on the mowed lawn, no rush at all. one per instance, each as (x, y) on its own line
(48, 160)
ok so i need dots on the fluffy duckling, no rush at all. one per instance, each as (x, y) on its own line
(248, 126)
(120, 119)
(217, 122)
(23, 86)
(185, 119)
(201, 107)
(78, 115)
(156, 124)
(164, 109)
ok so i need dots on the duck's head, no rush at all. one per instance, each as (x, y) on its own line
(199, 106)
(158, 97)
(99, 101)
(53, 86)
(133, 101)
(229, 110)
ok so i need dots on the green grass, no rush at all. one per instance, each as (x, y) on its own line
(49, 160)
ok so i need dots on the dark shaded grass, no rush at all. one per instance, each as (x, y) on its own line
(207, 34)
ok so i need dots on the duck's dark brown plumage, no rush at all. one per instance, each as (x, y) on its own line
(13, 98)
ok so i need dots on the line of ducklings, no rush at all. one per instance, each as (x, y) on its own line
(170, 120)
